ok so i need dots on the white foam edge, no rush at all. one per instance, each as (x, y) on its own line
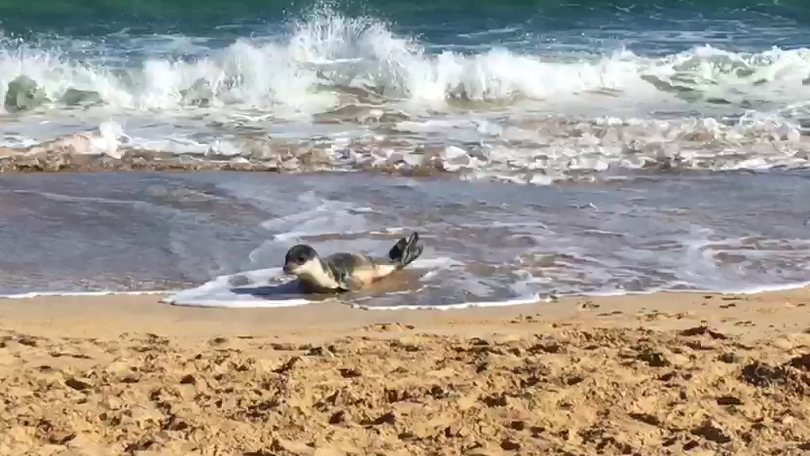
(749, 290)
(205, 295)
(231, 304)
(195, 297)
(734, 291)
(36, 294)
(291, 303)
(463, 305)
(536, 298)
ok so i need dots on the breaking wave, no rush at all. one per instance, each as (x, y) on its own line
(338, 92)
(327, 58)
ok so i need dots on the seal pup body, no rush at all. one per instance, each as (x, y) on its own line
(343, 271)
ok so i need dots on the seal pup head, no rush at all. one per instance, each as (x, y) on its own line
(300, 259)
(312, 272)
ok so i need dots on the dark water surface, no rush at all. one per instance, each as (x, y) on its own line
(166, 231)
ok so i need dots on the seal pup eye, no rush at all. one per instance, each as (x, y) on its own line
(301, 259)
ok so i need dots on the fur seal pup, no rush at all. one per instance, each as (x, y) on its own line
(342, 271)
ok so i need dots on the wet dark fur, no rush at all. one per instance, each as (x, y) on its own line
(340, 265)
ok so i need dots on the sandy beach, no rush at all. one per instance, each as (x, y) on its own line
(655, 374)
(539, 148)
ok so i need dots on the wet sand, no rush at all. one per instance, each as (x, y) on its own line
(653, 374)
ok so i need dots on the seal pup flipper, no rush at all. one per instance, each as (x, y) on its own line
(405, 251)
(352, 284)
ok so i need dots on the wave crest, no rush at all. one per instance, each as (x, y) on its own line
(327, 58)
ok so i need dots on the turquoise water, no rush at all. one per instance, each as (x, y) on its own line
(200, 17)
(648, 27)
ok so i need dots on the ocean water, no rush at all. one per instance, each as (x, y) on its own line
(589, 147)
(485, 242)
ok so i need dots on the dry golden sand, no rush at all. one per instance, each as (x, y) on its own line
(645, 375)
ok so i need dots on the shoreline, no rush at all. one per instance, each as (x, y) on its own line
(774, 312)
(653, 374)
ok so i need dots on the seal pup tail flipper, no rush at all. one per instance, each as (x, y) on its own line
(405, 251)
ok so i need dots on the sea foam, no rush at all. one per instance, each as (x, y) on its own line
(304, 70)
(348, 93)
